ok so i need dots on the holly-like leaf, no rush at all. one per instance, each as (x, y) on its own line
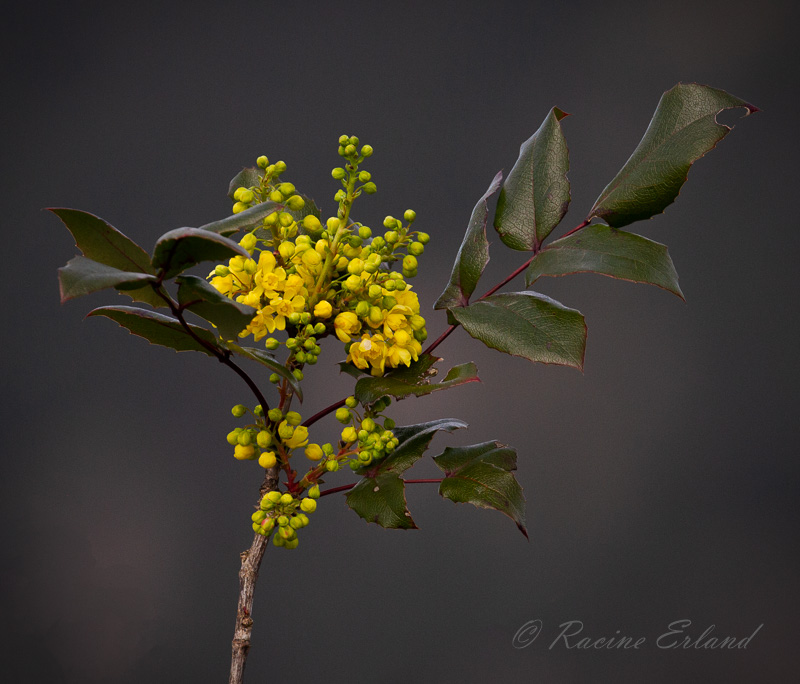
(350, 369)
(182, 248)
(481, 475)
(414, 380)
(527, 324)
(380, 496)
(535, 196)
(103, 243)
(81, 276)
(246, 178)
(203, 299)
(157, 328)
(473, 255)
(683, 129)
(266, 359)
(601, 249)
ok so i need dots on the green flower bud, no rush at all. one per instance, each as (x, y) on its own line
(390, 285)
(280, 167)
(368, 424)
(258, 410)
(291, 543)
(364, 176)
(416, 248)
(367, 151)
(275, 196)
(314, 492)
(389, 423)
(409, 215)
(356, 266)
(245, 438)
(311, 223)
(239, 410)
(295, 522)
(247, 196)
(378, 242)
(272, 343)
(332, 466)
(294, 418)
(262, 161)
(388, 302)
(275, 415)
(222, 271)
(424, 238)
(389, 222)
(303, 518)
(286, 189)
(274, 496)
(295, 203)
(239, 207)
(338, 173)
(353, 140)
(285, 219)
(351, 402)
(409, 262)
(364, 232)
(286, 498)
(344, 139)
(298, 374)
(263, 439)
(277, 540)
(294, 317)
(291, 342)
(319, 328)
(268, 524)
(343, 414)
(274, 378)
(349, 150)
(370, 188)
(375, 314)
(308, 505)
(283, 520)
(233, 437)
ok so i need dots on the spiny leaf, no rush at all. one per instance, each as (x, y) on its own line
(182, 248)
(683, 129)
(473, 255)
(527, 324)
(535, 196)
(266, 359)
(157, 328)
(380, 496)
(369, 390)
(601, 249)
(252, 217)
(480, 474)
(81, 276)
(103, 243)
(203, 299)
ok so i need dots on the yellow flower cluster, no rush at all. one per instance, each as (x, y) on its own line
(386, 331)
(267, 287)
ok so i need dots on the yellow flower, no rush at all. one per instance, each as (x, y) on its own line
(323, 309)
(296, 437)
(370, 351)
(346, 324)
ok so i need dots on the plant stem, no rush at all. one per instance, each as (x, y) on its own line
(248, 576)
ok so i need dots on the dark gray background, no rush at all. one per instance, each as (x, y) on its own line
(661, 484)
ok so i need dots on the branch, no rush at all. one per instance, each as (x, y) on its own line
(248, 576)
(222, 355)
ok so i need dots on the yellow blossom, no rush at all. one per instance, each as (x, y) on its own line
(323, 309)
(346, 324)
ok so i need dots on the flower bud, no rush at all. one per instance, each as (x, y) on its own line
(349, 435)
(274, 414)
(370, 188)
(351, 402)
(311, 223)
(286, 498)
(424, 238)
(308, 505)
(244, 453)
(295, 203)
(262, 161)
(248, 242)
(367, 151)
(409, 215)
(273, 496)
(314, 492)
(239, 410)
(332, 224)
(343, 414)
(338, 173)
(263, 439)
(233, 437)
(286, 189)
(239, 207)
(332, 466)
(294, 418)
(267, 459)
(416, 248)
(349, 150)
(280, 167)
(298, 374)
(222, 271)
(245, 438)
(272, 343)
(275, 196)
(314, 452)
(364, 232)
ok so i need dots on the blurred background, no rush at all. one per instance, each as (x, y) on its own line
(661, 483)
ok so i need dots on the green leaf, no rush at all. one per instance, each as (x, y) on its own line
(203, 299)
(481, 475)
(182, 248)
(103, 243)
(683, 129)
(535, 196)
(350, 369)
(81, 276)
(527, 324)
(245, 220)
(414, 380)
(246, 178)
(157, 328)
(382, 499)
(266, 359)
(473, 255)
(601, 249)
(380, 496)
